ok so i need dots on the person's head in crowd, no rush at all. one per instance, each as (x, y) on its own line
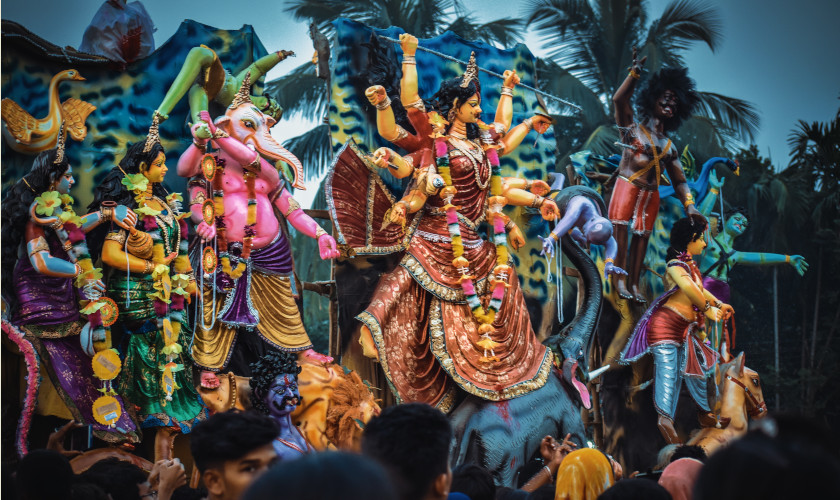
(679, 477)
(635, 489)
(583, 475)
(324, 476)
(689, 451)
(412, 442)
(85, 490)
(783, 458)
(231, 450)
(505, 493)
(35, 467)
(120, 479)
(187, 493)
(474, 481)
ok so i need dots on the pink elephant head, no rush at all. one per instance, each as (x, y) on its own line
(246, 123)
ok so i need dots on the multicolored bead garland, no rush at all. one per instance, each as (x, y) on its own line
(502, 271)
(221, 229)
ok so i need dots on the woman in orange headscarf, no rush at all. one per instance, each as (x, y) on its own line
(583, 475)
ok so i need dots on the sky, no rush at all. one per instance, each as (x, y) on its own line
(782, 56)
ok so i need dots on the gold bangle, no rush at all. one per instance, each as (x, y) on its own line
(787, 259)
(106, 213)
(689, 200)
(149, 267)
(538, 201)
(39, 244)
(507, 91)
(529, 123)
(609, 260)
(634, 74)
(529, 183)
(714, 191)
(554, 236)
(409, 60)
(293, 205)
(384, 104)
(201, 146)
(319, 232)
(509, 225)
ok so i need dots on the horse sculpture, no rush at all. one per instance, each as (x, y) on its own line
(740, 398)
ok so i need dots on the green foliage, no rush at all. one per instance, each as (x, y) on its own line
(590, 48)
(793, 211)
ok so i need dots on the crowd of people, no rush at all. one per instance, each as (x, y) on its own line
(405, 455)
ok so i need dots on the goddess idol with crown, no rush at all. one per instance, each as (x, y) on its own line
(452, 314)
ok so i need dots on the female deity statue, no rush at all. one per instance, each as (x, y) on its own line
(452, 313)
(275, 393)
(150, 279)
(720, 257)
(667, 100)
(44, 243)
(670, 329)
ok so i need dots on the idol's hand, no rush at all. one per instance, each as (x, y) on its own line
(798, 263)
(547, 245)
(540, 188)
(397, 215)
(97, 286)
(124, 217)
(637, 65)
(169, 258)
(610, 268)
(511, 79)
(517, 240)
(408, 43)
(549, 210)
(205, 115)
(715, 182)
(376, 94)
(381, 157)
(206, 231)
(201, 132)
(727, 311)
(326, 245)
(714, 314)
(541, 123)
(692, 210)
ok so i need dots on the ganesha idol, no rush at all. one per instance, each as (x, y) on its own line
(240, 195)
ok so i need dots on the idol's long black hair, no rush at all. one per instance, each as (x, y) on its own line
(683, 232)
(265, 370)
(15, 213)
(452, 96)
(677, 81)
(111, 188)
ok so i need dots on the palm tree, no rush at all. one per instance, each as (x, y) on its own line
(590, 42)
(302, 93)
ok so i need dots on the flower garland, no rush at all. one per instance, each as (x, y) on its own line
(485, 317)
(33, 382)
(170, 284)
(250, 221)
(101, 311)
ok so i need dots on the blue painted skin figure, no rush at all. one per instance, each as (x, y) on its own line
(276, 394)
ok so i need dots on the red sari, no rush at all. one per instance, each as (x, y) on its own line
(423, 329)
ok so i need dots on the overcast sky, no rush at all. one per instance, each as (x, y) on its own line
(782, 56)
